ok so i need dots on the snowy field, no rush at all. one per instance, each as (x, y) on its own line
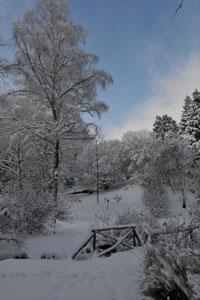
(117, 277)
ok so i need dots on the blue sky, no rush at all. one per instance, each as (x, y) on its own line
(154, 61)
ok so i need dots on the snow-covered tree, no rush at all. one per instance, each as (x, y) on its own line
(167, 166)
(110, 163)
(108, 154)
(25, 166)
(86, 163)
(4, 66)
(57, 74)
(190, 120)
(185, 115)
(134, 151)
(164, 126)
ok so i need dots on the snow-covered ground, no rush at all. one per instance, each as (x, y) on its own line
(115, 278)
(86, 215)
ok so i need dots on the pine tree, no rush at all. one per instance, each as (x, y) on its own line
(190, 122)
(164, 126)
(184, 116)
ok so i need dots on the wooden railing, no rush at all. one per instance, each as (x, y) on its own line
(124, 236)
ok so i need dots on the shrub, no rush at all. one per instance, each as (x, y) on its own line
(166, 277)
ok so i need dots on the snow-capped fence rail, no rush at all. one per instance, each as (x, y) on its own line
(106, 240)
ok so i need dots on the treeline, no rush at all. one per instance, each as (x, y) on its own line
(165, 159)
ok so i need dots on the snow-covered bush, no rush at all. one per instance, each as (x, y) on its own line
(172, 260)
(166, 276)
(28, 211)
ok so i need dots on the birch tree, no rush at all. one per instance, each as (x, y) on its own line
(54, 71)
(4, 67)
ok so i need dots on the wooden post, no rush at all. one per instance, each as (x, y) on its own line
(107, 204)
(81, 248)
(124, 240)
(134, 240)
(137, 238)
(94, 241)
(183, 196)
(97, 172)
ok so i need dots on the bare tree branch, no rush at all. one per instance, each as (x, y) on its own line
(177, 9)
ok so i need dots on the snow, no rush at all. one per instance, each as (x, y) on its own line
(117, 277)
(70, 235)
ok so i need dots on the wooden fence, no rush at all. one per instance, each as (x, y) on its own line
(124, 236)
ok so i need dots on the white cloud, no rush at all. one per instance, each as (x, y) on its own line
(169, 92)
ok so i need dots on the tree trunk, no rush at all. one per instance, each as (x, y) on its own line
(19, 161)
(184, 201)
(55, 177)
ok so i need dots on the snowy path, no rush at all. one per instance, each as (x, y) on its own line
(115, 278)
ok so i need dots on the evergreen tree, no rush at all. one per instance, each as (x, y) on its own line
(190, 121)
(164, 126)
(185, 115)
